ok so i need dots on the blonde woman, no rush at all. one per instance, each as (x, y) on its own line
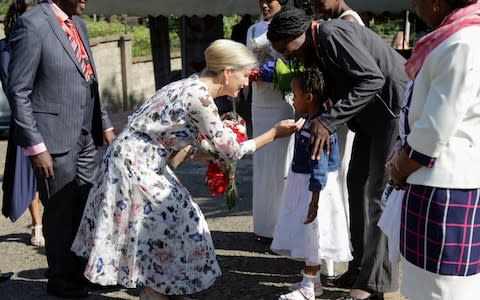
(141, 227)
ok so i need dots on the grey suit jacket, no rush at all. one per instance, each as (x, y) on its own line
(46, 85)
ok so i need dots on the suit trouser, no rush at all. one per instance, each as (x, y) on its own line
(366, 180)
(64, 199)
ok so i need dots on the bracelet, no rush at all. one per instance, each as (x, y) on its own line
(395, 165)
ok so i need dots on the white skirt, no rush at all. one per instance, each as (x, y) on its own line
(419, 284)
(325, 238)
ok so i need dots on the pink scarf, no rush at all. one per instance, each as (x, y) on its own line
(456, 20)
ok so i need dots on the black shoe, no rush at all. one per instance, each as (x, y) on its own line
(91, 286)
(328, 281)
(346, 280)
(5, 276)
(263, 239)
(373, 296)
(66, 289)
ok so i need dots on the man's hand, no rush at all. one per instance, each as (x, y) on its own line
(108, 136)
(43, 165)
(319, 139)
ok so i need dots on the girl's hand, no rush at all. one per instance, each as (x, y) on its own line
(312, 208)
(312, 212)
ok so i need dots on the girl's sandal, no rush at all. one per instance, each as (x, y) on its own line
(318, 288)
(299, 294)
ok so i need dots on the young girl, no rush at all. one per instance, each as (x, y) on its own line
(312, 223)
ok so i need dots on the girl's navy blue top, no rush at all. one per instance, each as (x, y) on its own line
(318, 169)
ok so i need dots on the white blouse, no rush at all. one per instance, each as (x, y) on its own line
(444, 115)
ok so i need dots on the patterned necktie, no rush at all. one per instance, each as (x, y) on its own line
(72, 34)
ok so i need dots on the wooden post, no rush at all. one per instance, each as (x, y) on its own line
(406, 30)
(196, 35)
(160, 41)
(125, 45)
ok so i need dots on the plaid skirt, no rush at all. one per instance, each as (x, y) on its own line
(440, 230)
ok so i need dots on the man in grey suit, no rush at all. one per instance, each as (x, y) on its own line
(59, 122)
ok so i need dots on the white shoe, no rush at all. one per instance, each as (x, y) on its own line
(303, 293)
(318, 288)
(37, 238)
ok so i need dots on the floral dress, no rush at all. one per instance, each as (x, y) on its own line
(140, 226)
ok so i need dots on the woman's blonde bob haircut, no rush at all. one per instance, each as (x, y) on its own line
(222, 54)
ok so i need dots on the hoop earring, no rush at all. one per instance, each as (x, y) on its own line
(436, 8)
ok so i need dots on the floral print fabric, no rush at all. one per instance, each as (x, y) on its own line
(140, 226)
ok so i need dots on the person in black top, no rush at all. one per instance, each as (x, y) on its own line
(239, 30)
(365, 81)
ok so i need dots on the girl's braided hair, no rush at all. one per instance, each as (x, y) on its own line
(311, 80)
(15, 10)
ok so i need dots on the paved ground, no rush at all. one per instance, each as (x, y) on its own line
(250, 270)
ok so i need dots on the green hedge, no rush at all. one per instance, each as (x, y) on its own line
(139, 33)
(387, 27)
(4, 4)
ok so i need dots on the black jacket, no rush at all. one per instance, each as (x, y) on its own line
(364, 76)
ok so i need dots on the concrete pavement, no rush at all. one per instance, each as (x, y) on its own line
(250, 270)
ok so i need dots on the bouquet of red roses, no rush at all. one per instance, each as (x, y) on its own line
(220, 175)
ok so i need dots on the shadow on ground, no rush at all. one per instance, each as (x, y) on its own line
(252, 271)
(16, 289)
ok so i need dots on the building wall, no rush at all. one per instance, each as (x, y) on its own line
(106, 55)
(124, 82)
(143, 81)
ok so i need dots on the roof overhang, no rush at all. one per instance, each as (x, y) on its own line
(218, 7)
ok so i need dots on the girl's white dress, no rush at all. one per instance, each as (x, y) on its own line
(325, 238)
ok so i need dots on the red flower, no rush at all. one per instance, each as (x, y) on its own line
(215, 179)
(220, 175)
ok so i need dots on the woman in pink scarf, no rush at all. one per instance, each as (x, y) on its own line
(439, 163)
